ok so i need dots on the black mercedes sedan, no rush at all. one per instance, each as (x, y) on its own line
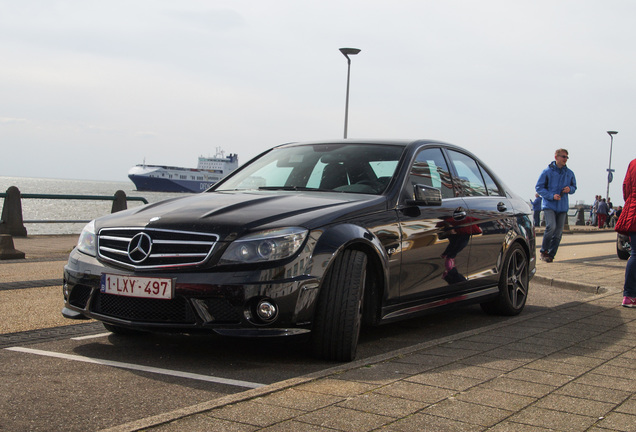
(314, 237)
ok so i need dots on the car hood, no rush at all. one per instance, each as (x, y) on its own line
(231, 214)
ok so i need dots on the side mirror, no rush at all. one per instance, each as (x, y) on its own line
(426, 196)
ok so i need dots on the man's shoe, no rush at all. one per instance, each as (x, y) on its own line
(548, 259)
(629, 302)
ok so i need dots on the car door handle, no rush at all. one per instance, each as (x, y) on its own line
(459, 214)
(502, 207)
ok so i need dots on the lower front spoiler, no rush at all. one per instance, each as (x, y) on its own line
(71, 314)
(236, 332)
(262, 332)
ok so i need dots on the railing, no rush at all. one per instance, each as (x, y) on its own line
(113, 198)
(13, 223)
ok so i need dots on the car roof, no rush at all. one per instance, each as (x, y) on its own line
(395, 142)
(375, 141)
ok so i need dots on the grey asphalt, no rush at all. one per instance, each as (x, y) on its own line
(571, 367)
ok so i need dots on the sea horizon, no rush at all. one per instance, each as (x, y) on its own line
(82, 211)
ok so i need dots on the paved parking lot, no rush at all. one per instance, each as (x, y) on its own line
(560, 365)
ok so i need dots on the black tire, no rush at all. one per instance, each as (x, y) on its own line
(124, 331)
(338, 314)
(513, 285)
(622, 254)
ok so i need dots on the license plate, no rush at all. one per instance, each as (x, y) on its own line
(136, 286)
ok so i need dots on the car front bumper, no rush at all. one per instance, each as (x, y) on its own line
(223, 302)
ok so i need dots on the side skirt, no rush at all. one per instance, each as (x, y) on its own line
(405, 311)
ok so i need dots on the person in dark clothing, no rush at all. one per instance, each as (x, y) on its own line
(536, 208)
(602, 212)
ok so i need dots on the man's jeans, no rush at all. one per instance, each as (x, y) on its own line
(554, 223)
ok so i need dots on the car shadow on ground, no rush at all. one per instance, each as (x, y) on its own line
(269, 360)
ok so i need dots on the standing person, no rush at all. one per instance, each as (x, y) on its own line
(626, 225)
(602, 212)
(555, 184)
(617, 214)
(593, 210)
(536, 208)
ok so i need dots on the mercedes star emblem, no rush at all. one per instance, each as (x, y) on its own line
(139, 247)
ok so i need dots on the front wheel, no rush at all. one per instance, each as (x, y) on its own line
(623, 247)
(338, 314)
(513, 285)
(622, 254)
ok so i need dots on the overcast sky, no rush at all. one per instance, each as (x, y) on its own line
(90, 88)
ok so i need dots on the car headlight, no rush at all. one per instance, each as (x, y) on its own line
(270, 245)
(87, 242)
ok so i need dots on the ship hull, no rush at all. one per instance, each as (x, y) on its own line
(163, 178)
(151, 184)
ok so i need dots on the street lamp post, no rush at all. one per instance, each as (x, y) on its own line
(347, 52)
(610, 171)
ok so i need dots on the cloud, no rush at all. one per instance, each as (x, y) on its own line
(146, 135)
(12, 120)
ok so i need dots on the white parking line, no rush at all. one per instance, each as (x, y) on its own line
(121, 365)
(79, 338)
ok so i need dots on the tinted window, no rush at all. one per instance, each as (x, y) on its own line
(355, 168)
(430, 169)
(493, 188)
(469, 176)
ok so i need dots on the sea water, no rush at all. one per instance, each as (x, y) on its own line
(64, 209)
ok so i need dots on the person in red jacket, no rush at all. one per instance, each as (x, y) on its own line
(626, 225)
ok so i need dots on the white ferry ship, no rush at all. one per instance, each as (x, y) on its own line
(163, 178)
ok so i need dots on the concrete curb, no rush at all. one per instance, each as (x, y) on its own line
(576, 286)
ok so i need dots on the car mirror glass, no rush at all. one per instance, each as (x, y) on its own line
(427, 195)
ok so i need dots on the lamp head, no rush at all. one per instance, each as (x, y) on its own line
(612, 133)
(349, 51)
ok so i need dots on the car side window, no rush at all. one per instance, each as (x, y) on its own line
(430, 169)
(469, 176)
(491, 186)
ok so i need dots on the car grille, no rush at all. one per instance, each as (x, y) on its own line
(79, 296)
(154, 248)
(177, 310)
(222, 311)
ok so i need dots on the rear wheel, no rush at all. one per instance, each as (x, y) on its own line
(513, 285)
(338, 314)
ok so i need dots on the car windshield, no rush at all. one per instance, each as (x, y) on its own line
(353, 168)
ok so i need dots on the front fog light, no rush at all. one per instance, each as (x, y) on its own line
(266, 310)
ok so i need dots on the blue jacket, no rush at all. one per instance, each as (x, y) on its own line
(551, 182)
(536, 204)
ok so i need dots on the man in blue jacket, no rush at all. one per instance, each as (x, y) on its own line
(555, 183)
